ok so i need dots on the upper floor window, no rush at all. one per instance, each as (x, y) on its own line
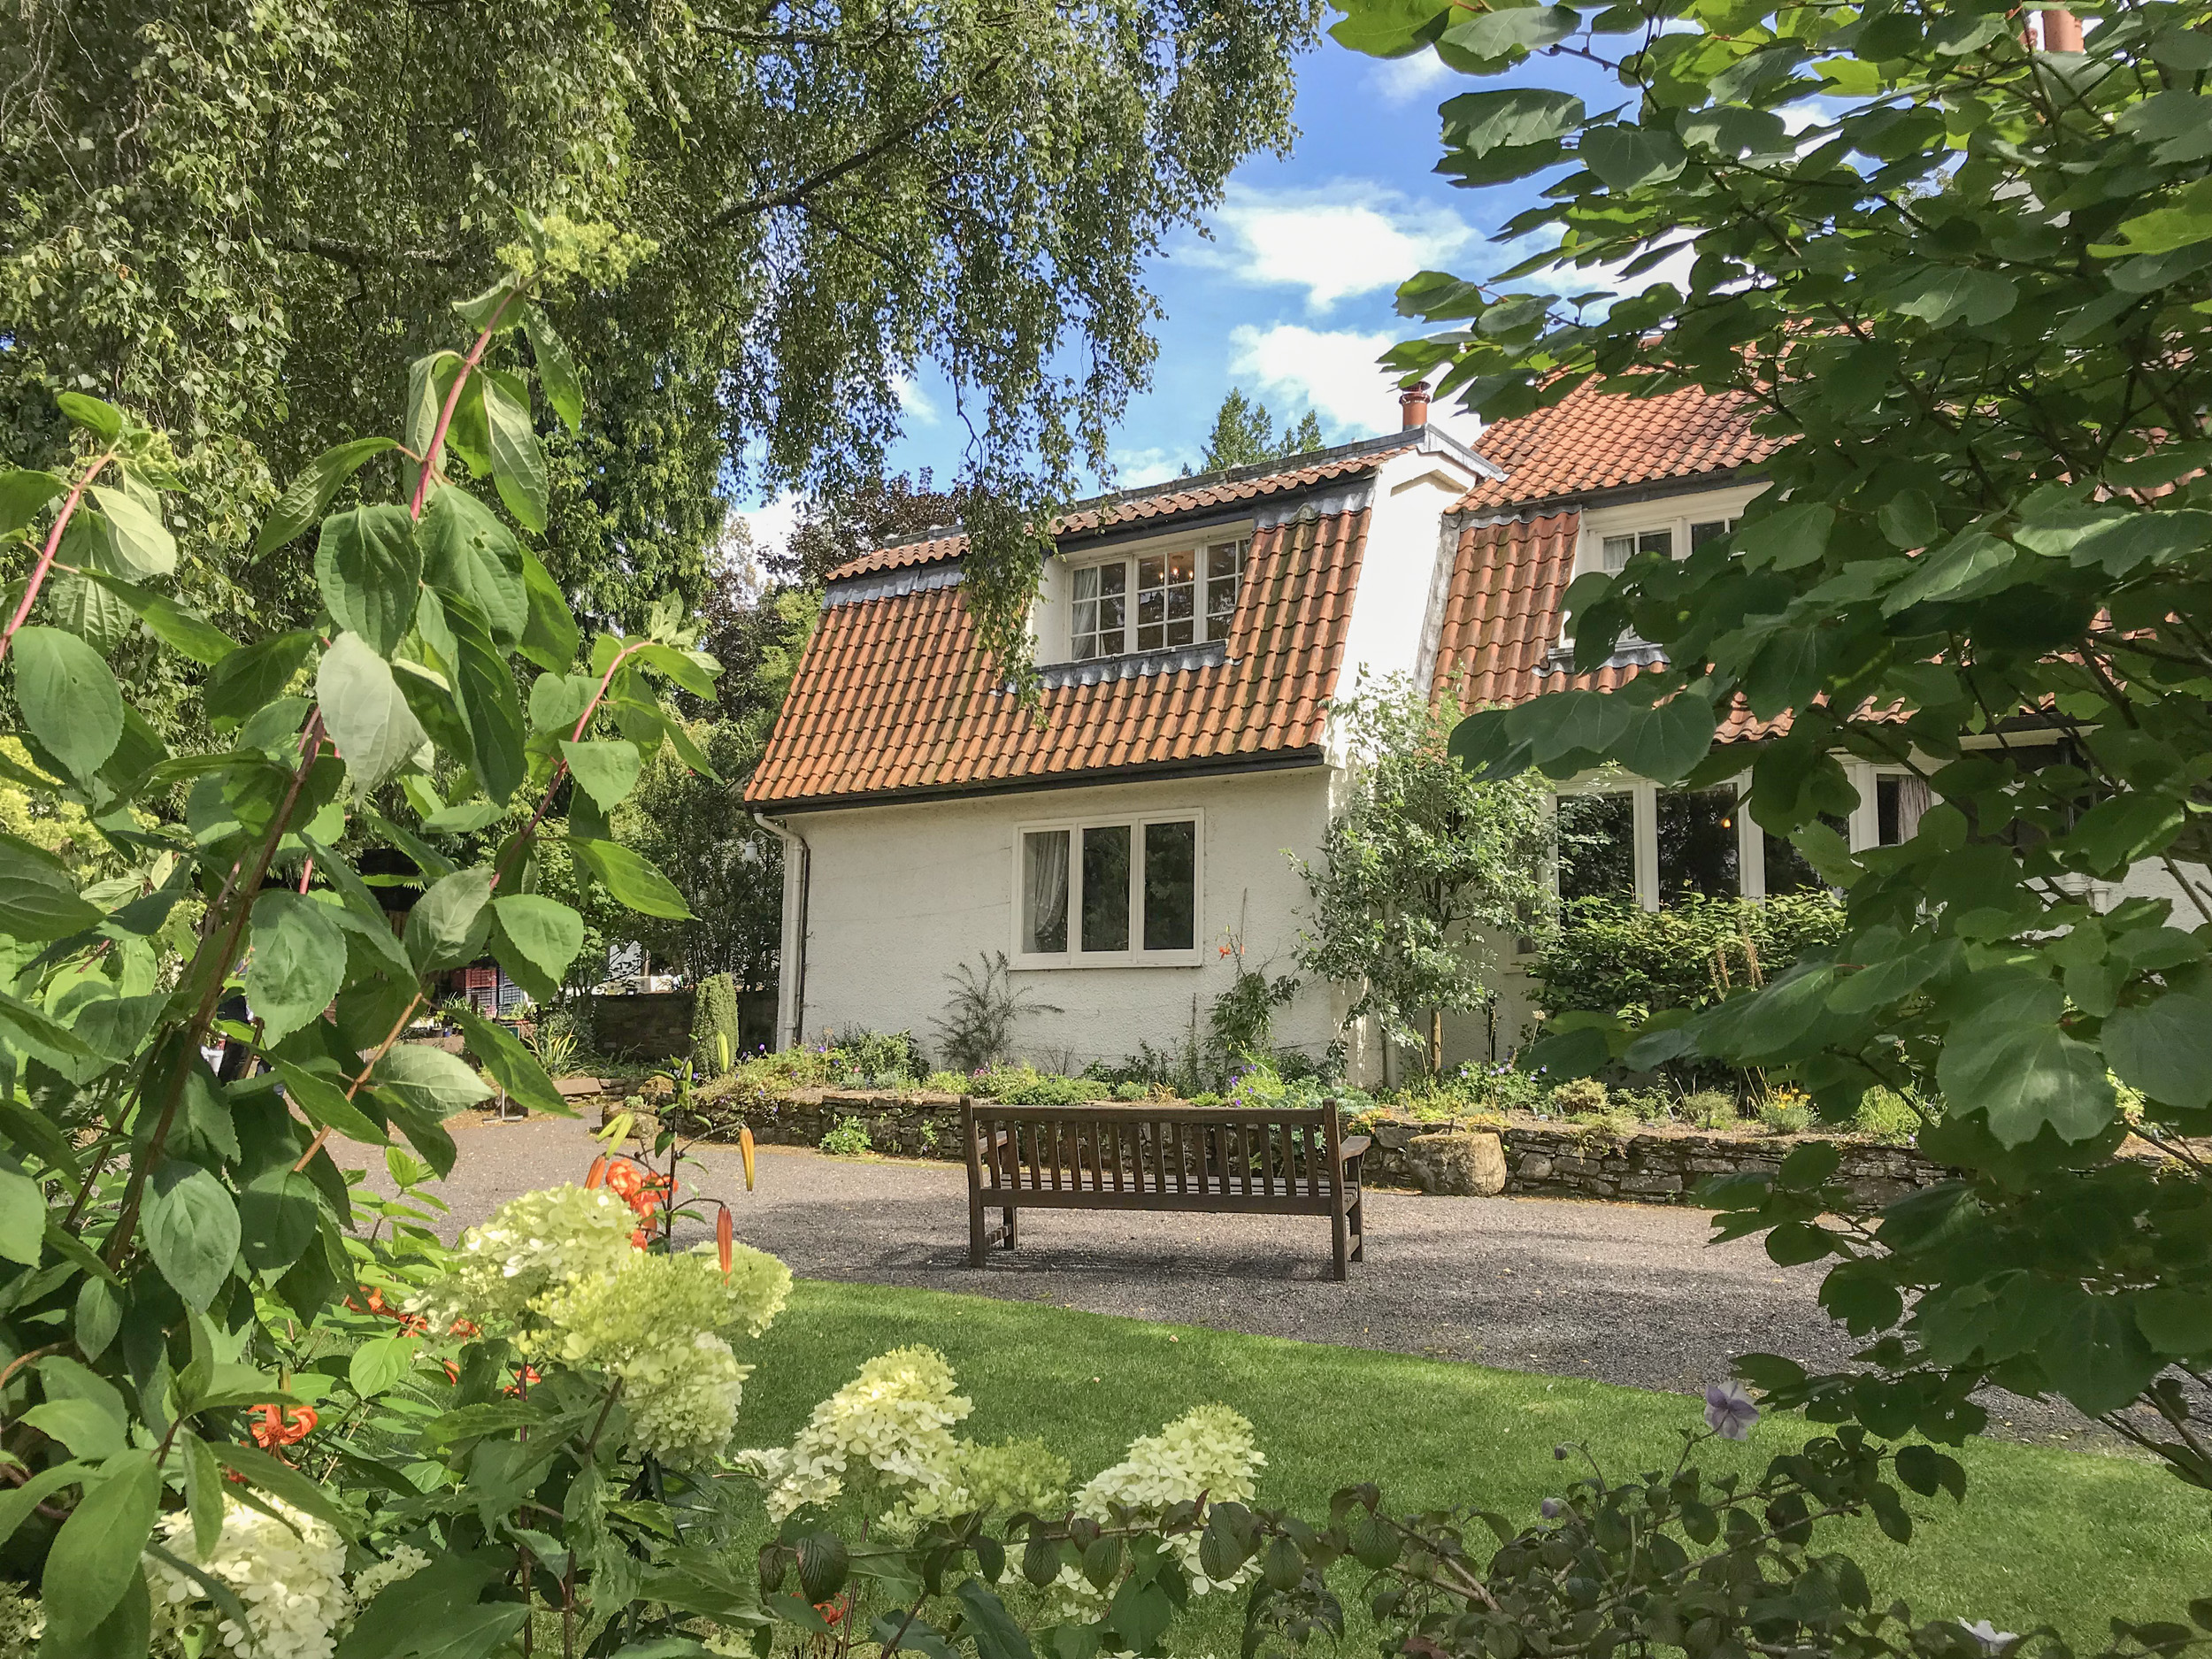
(1183, 597)
(1704, 530)
(1618, 550)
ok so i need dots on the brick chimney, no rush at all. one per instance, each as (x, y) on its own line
(1413, 407)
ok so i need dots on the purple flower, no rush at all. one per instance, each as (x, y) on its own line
(1551, 1508)
(1729, 1410)
(1992, 1638)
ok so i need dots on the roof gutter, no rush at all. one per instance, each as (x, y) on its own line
(792, 963)
(1270, 760)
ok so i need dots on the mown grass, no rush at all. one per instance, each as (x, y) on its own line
(2045, 1536)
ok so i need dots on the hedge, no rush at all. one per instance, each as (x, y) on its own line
(714, 1013)
(1608, 955)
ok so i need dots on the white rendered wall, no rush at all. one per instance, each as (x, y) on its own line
(901, 895)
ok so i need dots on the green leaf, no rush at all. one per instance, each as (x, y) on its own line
(306, 497)
(22, 1217)
(137, 539)
(37, 898)
(556, 369)
(23, 492)
(192, 1231)
(1485, 121)
(551, 638)
(1946, 296)
(518, 462)
(1958, 569)
(103, 420)
(430, 1080)
(631, 880)
(279, 1215)
(607, 770)
(365, 713)
(17, 1503)
(96, 1554)
(449, 924)
(369, 569)
(254, 676)
(485, 694)
(68, 698)
(1630, 158)
(545, 932)
(172, 624)
(1492, 36)
(2022, 1076)
(467, 553)
(2164, 1048)
(380, 1363)
(1664, 743)
(203, 1493)
(513, 1067)
(280, 1480)
(2174, 1321)
(470, 1633)
(299, 961)
(1789, 540)
(557, 701)
(685, 668)
(2096, 1356)
(326, 1106)
(83, 1428)
(994, 1630)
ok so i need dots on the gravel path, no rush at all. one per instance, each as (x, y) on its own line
(1628, 1294)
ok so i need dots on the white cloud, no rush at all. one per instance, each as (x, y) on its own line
(915, 402)
(1335, 241)
(1331, 372)
(1400, 80)
(1135, 468)
(772, 524)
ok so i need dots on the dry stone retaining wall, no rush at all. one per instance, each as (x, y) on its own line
(1653, 1165)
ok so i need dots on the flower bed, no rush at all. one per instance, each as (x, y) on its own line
(1600, 1158)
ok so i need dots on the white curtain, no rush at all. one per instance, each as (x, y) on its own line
(1047, 891)
(1913, 800)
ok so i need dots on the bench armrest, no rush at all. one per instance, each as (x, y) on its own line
(1352, 1146)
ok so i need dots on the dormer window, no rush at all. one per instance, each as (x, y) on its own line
(1182, 597)
(1619, 549)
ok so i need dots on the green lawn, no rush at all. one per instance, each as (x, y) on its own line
(2045, 1535)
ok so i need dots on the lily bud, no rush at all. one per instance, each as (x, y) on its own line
(598, 1171)
(745, 1151)
(725, 1237)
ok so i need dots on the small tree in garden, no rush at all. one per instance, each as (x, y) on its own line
(1957, 259)
(1421, 872)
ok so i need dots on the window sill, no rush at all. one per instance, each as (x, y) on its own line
(1098, 670)
(1109, 959)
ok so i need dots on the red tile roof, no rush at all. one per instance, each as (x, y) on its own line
(895, 694)
(1592, 440)
(1502, 620)
(1133, 507)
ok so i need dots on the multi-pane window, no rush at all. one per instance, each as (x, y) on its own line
(1099, 893)
(1181, 598)
(1597, 846)
(1102, 597)
(1704, 530)
(1699, 848)
(1618, 550)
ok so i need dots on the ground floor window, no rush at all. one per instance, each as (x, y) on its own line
(1698, 843)
(1108, 894)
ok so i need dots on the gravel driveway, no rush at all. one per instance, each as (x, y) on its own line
(1627, 1294)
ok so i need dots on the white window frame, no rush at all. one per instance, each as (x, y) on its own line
(1200, 552)
(1136, 955)
(1751, 874)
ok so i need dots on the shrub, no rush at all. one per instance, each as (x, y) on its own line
(1497, 1086)
(714, 1029)
(947, 1083)
(1711, 1108)
(1645, 1105)
(1131, 1091)
(849, 1140)
(978, 1029)
(1026, 1086)
(1608, 955)
(1787, 1112)
(1579, 1097)
(1885, 1115)
(879, 1059)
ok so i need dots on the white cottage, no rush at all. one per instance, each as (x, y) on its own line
(1116, 839)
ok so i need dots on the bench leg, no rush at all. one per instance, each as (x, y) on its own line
(1336, 1240)
(1012, 1227)
(976, 1239)
(1359, 1231)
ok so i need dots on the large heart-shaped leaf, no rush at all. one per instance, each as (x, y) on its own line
(299, 961)
(2164, 1048)
(607, 770)
(2021, 1076)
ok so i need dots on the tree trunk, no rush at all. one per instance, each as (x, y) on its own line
(1436, 1041)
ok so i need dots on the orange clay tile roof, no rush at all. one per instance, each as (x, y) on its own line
(1502, 620)
(895, 696)
(1592, 441)
(1114, 512)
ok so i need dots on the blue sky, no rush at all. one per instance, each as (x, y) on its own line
(1291, 297)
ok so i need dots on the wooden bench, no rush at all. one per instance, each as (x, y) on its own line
(1226, 1160)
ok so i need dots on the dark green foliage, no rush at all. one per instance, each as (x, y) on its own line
(1607, 955)
(1244, 434)
(714, 1035)
(977, 1026)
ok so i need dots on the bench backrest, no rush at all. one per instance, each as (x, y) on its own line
(1287, 1156)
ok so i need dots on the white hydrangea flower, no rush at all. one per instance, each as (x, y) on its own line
(1004, 1478)
(531, 1246)
(404, 1562)
(682, 1400)
(288, 1574)
(1209, 1452)
(22, 1621)
(889, 1428)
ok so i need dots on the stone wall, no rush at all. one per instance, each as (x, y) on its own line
(1548, 1159)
